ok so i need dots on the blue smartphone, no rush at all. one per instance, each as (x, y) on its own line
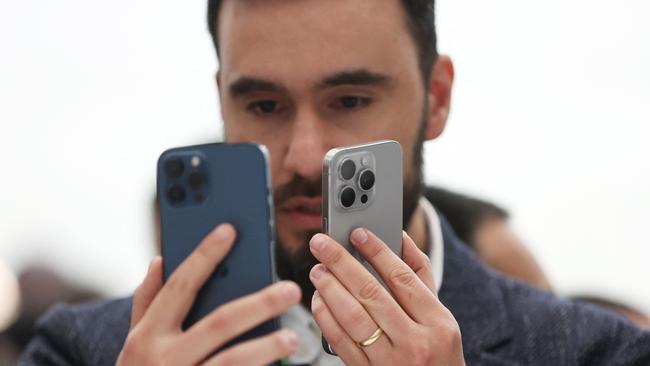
(200, 187)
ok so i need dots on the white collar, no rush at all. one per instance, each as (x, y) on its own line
(301, 321)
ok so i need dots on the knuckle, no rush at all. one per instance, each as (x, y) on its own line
(178, 282)
(205, 252)
(357, 315)
(273, 299)
(370, 290)
(221, 320)
(318, 309)
(426, 263)
(402, 276)
(335, 256)
(335, 339)
(375, 251)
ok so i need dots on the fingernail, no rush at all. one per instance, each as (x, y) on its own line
(359, 236)
(318, 242)
(315, 300)
(318, 271)
(291, 291)
(290, 338)
(221, 232)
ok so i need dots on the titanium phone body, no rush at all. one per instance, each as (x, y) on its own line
(362, 187)
(200, 187)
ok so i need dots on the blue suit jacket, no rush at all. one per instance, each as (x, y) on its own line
(503, 322)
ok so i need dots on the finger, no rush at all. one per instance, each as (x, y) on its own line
(146, 292)
(337, 338)
(412, 294)
(234, 318)
(419, 262)
(259, 351)
(381, 306)
(175, 298)
(347, 311)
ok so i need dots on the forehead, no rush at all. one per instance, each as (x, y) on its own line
(299, 37)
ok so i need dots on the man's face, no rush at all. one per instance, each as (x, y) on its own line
(302, 77)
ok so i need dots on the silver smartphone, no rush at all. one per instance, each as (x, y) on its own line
(362, 187)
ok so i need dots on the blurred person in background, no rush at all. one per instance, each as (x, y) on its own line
(485, 228)
(39, 287)
(302, 77)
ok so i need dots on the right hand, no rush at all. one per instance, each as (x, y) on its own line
(156, 337)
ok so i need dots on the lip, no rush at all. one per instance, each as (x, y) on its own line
(301, 219)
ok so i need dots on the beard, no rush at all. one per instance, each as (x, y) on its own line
(295, 265)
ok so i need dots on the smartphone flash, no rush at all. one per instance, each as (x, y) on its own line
(195, 161)
(365, 160)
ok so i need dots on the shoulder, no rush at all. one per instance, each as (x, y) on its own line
(505, 321)
(86, 334)
(570, 331)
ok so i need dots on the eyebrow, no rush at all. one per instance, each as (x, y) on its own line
(355, 77)
(247, 85)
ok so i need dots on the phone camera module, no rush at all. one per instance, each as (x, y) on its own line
(364, 198)
(348, 197)
(348, 169)
(174, 167)
(176, 195)
(196, 180)
(366, 180)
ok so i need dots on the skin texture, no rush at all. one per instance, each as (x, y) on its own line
(280, 85)
(313, 41)
(156, 338)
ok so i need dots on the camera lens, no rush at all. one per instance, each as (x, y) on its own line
(174, 167)
(364, 198)
(176, 195)
(348, 169)
(347, 197)
(196, 180)
(366, 180)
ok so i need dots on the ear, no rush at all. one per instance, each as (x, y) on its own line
(439, 94)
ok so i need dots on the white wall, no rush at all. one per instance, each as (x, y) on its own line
(549, 119)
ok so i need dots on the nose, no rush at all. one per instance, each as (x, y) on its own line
(306, 149)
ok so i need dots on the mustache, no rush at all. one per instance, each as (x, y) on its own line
(298, 186)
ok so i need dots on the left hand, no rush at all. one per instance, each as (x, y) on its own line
(350, 304)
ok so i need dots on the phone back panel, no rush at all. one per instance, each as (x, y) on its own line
(235, 189)
(382, 213)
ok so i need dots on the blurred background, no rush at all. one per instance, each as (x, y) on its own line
(550, 120)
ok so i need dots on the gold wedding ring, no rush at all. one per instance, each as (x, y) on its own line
(372, 339)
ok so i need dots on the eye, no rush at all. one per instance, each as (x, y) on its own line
(263, 106)
(351, 102)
